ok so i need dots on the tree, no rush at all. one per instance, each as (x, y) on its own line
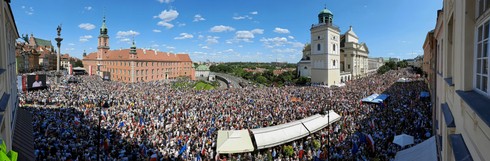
(302, 80)
(78, 63)
(261, 79)
(402, 64)
(391, 65)
(383, 69)
(213, 68)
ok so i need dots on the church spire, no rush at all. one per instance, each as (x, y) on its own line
(103, 28)
(132, 50)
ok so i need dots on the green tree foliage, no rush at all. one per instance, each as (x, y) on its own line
(261, 79)
(288, 150)
(402, 64)
(78, 63)
(383, 69)
(266, 78)
(302, 80)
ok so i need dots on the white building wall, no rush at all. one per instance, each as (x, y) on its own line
(8, 79)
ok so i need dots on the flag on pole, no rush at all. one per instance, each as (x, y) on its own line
(370, 141)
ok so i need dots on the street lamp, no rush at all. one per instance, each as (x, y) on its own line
(102, 105)
(328, 134)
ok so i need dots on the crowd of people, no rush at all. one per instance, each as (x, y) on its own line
(154, 121)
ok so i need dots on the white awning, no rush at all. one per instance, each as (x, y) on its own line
(281, 134)
(318, 122)
(426, 150)
(236, 141)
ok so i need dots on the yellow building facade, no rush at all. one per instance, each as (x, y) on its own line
(462, 97)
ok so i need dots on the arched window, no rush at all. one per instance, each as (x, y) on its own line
(334, 61)
(318, 47)
(333, 47)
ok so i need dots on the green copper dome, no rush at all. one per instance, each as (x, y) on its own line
(326, 11)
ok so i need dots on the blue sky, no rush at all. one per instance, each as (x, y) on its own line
(228, 30)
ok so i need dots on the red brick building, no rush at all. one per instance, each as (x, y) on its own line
(136, 65)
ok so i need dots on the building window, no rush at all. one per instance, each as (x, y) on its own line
(481, 73)
(318, 37)
(334, 63)
(318, 47)
(333, 47)
(348, 66)
(483, 6)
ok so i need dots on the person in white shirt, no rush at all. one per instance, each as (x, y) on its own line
(37, 82)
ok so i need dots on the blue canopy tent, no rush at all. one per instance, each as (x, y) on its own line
(375, 98)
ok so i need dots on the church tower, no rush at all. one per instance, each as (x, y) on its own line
(325, 50)
(103, 45)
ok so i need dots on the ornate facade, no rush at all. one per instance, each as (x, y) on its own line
(331, 58)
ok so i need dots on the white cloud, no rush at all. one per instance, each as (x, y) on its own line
(125, 40)
(273, 42)
(281, 30)
(258, 31)
(205, 47)
(85, 38)
(28, 10)
(280, 42)
(241, 17)
(287, 50)
(170, 48)
(184, 36)
(165, 24)
(88, 8)
(155, 30)
(297, 44)
(71, 44)
(244, 36)
(124, 34)
(180, 24)
(228, 51)
(221, 28)
(254, 12)
(69, 49)
(166, 17)
(212, 39)
(198, 18)
(86, 26)
(165, 1)
(290, 37)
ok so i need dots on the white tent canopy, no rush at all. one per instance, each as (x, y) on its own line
(280, 134)
(239, 141)
(318, 122)
(426, 151)
(236, 141)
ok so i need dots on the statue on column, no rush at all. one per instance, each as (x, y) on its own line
(59, 30)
